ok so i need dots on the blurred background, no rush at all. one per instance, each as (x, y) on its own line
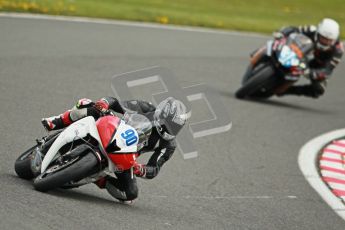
(262, 16)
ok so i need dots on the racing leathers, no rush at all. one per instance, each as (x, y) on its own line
(124, 186)
(321, 66)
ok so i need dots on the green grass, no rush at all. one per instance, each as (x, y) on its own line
(243, 15)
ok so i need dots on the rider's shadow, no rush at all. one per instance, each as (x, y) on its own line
(93, 199)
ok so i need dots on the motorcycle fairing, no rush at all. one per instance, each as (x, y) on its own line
(126, 138)
(116, 133)
(75, 131)
(287, 57)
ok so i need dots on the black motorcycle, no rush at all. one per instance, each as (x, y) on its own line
(276, 66)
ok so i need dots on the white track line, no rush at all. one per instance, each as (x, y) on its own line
(130, 23)
(307, 160)
(226, 197)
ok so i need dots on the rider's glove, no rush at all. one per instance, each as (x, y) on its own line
(139, 170)
(317, 75)
(306, 72)
(102, 106)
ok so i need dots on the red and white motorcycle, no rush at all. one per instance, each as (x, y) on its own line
(84, 152)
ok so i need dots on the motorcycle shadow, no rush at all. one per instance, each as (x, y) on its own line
(282, 104)
(278, 103)
(111, 203)
(73, 194)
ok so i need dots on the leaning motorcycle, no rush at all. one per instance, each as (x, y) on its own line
(84, 152)
(276, 66)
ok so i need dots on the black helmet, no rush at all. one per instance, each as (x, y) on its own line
(169, 118)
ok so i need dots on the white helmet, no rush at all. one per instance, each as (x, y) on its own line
(327, 34)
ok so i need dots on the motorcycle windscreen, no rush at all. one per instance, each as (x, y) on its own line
(296, 48)
(304, 43)
(288, 57)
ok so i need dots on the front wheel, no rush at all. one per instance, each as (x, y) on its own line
(22, 165)
(262, 78)
(69, 171)
(253, 70)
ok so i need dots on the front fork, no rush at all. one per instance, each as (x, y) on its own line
(38, 153)
(255, 58)
(36, 161)
(257, 55)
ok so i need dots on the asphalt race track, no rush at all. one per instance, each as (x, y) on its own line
(247, 178)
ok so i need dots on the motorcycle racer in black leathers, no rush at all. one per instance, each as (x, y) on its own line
(327, 54)
(168, 119)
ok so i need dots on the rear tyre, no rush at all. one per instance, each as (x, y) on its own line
(59, 174)
(22, 165)
(253, 85)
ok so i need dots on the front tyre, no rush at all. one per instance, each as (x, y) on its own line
(59, 174)
(22, 165)
(255, 83)
(252, 70)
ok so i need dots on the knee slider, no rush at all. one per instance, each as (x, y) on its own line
(132, 193)
(319, 89)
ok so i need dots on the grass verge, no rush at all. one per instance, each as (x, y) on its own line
(243, 15)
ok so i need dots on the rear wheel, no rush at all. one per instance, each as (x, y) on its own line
(263, 78)
(22, 166)
(71, 170)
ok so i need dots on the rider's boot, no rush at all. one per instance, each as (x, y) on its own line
(311, 90)
(57, 122)
(113, 187)
(294, 90)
